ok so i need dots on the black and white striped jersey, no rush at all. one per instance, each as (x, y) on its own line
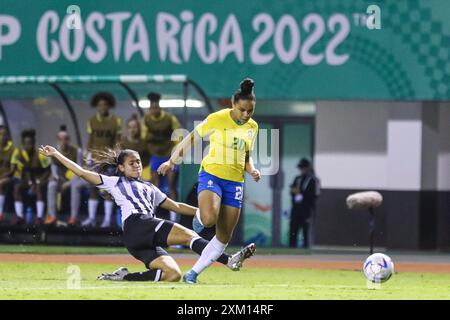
(132, 195)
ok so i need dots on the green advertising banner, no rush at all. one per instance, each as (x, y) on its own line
(310, 49)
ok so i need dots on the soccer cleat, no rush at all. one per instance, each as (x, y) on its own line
(50, 220)
(88, 223)
(117, 275)
(190, 277)
(196, 225)
(236, 260)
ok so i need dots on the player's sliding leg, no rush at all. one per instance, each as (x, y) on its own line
(180, 235)
(163, 268)
(228, 218)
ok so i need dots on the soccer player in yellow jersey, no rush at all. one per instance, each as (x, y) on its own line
(232, 135)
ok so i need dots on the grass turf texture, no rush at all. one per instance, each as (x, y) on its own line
(49, 281)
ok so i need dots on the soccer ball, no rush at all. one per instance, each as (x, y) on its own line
(378, 268)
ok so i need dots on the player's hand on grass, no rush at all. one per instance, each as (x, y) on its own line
(48, 151)
(165, 167)
(256, 175)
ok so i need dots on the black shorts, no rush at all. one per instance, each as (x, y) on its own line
(144, 236)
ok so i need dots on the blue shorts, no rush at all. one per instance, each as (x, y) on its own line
(231, 192)
(156, 161)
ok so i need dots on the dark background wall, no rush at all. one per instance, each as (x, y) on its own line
(406, 220)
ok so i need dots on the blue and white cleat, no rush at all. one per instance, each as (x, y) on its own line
(196, 225)
(190, 277)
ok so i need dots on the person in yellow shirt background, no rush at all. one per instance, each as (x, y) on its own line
(157, 128)
(61, 178)
(33, 171)
(7, 168)
(133, 140)
(104, 130)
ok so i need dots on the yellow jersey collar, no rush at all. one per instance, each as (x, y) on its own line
(100, 118)
(163, 113)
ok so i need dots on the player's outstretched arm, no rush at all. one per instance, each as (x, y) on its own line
(89, 176)
(181, 149)
(178, 207)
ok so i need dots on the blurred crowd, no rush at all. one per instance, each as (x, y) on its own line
(39, 188)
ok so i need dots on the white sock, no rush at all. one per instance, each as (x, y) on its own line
(2, 202)
(18, 205)
(92, 208)
(109, 206)
(197, 215)
(40, 205)
(211, 253)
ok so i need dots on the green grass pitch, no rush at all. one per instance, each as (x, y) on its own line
(50, 281)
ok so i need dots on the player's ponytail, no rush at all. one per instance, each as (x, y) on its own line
(107, 161)
(245, 92)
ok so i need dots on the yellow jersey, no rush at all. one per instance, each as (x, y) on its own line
(229, 143)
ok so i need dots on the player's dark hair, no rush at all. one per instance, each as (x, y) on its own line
(107, 161)
(29, 133)
(154, 97)
(245, 92)
(63, 128)
(103, 95)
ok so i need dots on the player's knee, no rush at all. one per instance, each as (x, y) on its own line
(208, 220)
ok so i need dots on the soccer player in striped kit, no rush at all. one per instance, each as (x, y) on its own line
(143, 234)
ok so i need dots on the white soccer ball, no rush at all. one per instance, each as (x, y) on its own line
(378, 268)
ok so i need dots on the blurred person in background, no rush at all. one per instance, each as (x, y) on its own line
(61, 178)
(133, 140)
(33, 170)
(104, 131)
(304, 192)
(158, 126)
(7, 152)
